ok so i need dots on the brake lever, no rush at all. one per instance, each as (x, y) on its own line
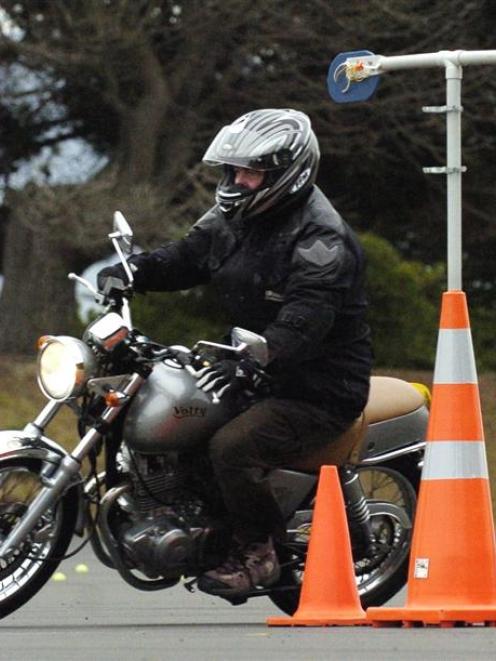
(99, 297)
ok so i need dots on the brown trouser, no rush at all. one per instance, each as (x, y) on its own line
(271, 434)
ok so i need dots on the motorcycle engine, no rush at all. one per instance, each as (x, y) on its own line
(157, 546)
(168, 532)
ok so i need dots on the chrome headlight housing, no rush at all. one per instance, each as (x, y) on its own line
(65, 364)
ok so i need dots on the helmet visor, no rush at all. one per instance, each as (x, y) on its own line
(248, 149)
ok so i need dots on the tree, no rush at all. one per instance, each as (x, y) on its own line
(147, 83)
(122, 75)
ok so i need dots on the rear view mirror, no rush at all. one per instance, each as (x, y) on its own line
(122, 232)
(256, 345)
(122, 240)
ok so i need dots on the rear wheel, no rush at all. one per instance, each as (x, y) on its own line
(378, 577)
(28, 568)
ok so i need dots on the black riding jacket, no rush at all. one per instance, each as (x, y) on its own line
(297, 278)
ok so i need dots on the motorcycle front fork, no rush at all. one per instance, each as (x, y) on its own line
(56, 479)
(356, 506)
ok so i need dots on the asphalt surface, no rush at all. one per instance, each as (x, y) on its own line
(90, 613)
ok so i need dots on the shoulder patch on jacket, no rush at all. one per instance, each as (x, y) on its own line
(320, 254)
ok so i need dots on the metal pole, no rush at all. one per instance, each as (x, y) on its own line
(454, 174)
(376, 64)
(363, 66)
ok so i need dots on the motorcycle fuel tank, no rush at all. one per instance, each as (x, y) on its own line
(170, 413)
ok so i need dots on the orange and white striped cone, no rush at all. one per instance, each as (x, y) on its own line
(452, 573)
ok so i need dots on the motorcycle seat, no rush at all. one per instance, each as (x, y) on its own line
(389, 398)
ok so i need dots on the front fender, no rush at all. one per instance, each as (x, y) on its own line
(16, 444)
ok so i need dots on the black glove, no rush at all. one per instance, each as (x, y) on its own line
(231, 375)
(104, 276)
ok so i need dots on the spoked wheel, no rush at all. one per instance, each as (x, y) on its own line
(380, 576)
(28, 568)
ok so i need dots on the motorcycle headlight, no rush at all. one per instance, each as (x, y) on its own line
(64, 366)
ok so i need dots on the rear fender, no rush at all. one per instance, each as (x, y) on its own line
(16, 444)
(394, 437)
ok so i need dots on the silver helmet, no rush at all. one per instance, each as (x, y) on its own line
(278, 142)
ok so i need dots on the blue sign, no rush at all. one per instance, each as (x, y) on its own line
(341, 89)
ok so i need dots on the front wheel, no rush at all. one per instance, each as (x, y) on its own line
(29, 567)
(378, 578)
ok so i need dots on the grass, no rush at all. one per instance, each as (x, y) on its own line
(21, 400)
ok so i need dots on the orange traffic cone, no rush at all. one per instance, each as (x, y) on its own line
(452, 573)
(329, 594)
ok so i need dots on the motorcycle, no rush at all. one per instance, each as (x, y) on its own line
(146, 499)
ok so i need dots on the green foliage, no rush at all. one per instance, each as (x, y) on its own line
(483, 323)
(404, 306)
(180, 317)
(405, 302)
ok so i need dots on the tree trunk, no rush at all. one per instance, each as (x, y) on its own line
(142, 124)
(37, 297)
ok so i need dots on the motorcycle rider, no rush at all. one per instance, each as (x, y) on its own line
(287, 266)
